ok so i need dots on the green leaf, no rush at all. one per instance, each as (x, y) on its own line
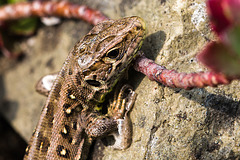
(16, 1)
(233, 37)
(24, 26)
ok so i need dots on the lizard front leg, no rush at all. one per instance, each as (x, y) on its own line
(116, 119)
(125, 100)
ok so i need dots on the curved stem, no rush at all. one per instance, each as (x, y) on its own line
(174, 79)
(41, 9)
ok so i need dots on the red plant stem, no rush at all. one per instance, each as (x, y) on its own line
(174, 79)
(41, 9)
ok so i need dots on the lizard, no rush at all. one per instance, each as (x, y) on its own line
(72, 116)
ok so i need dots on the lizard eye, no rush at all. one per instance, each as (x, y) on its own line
(113, 54)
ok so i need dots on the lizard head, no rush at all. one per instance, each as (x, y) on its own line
(104, 54)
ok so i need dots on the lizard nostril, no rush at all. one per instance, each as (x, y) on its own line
(93, 83)
(138, 28)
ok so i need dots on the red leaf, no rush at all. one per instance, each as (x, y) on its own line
(218, 19)
(220, 58)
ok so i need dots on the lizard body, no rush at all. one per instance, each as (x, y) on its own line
(72, 116)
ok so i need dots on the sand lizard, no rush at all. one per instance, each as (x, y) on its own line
(72, 116)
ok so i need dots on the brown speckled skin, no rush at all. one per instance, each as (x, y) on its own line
(71, 117)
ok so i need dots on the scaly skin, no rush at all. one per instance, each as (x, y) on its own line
(72, 116)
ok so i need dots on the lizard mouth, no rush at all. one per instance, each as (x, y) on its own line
(139, 28)
(135, 37)
(131, 44)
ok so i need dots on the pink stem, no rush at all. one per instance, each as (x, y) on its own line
(174, 79)
(41, 9)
